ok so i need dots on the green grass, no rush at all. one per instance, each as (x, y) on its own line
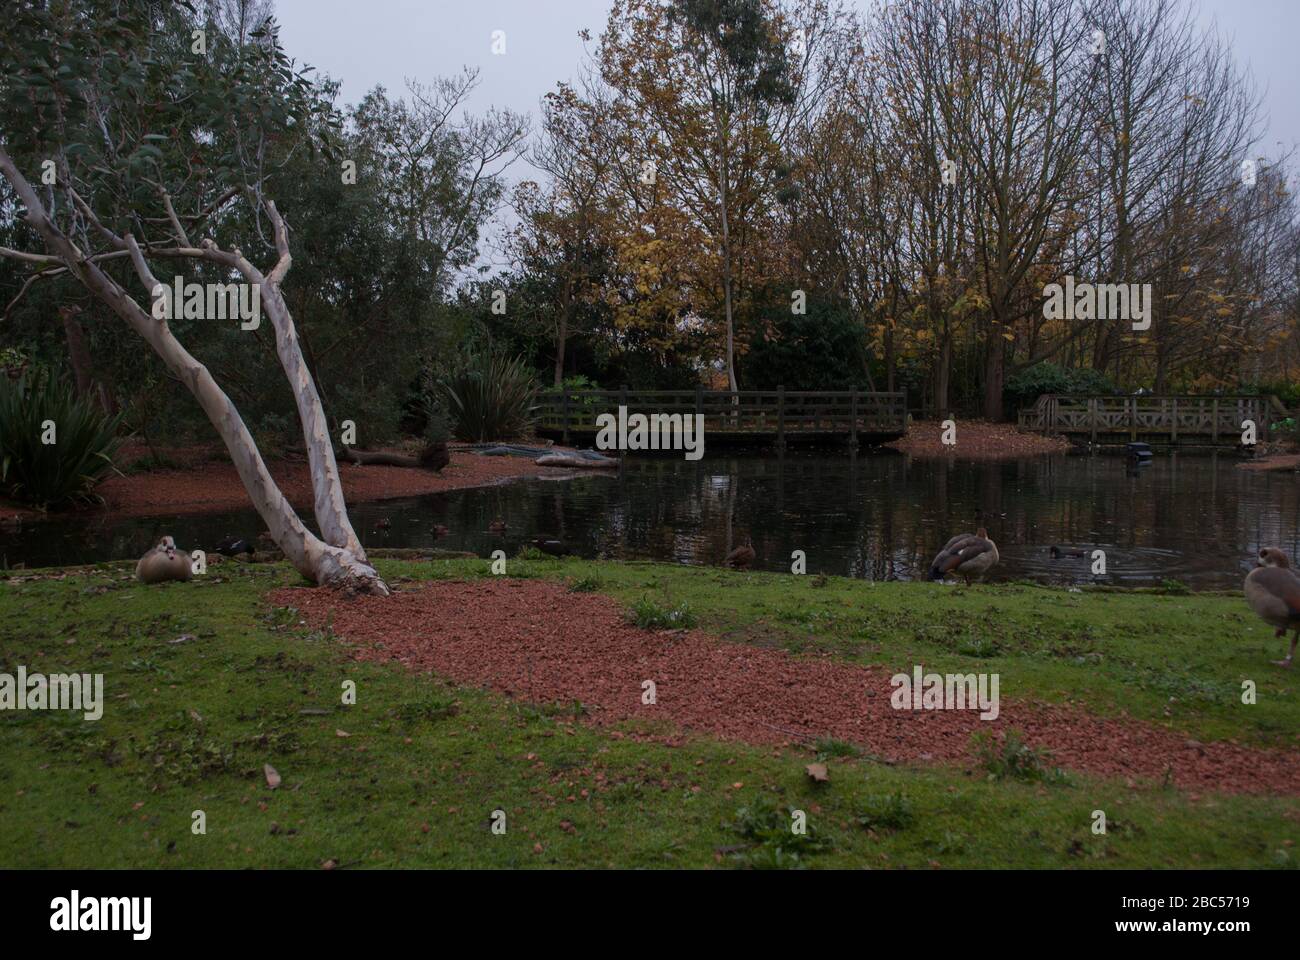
(414, 782)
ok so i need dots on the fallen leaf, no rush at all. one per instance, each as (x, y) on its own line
(272, 776)
(341, 733)
(817, 771)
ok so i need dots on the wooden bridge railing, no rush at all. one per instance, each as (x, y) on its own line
(1217, 418)
(745, 413)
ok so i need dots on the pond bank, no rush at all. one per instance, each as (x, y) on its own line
(976, 440)
(209, 484)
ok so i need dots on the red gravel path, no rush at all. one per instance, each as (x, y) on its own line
(534, 639)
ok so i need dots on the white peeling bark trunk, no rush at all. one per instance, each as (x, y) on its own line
(326, 563)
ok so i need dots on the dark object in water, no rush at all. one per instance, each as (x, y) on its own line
(1057, 553)
(230, 547)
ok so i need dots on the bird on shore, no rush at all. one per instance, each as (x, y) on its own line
(742, 556)
(1057, 553)
(231, 547)
(163, 562)
(556, 548)
(497, 526)
(1273, 592)
(968, 555)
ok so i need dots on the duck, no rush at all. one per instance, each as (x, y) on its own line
(1273, 592)
(230, 547)
(970, 555)
(741, 557)
(556, 548)
(1057, 553)
(497, 526)
(163, 562)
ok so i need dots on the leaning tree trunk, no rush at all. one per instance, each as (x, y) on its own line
(338, 560)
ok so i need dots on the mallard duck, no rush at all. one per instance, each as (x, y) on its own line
(742, 556)
(969, 555)
(163, 562)
(1273, 592)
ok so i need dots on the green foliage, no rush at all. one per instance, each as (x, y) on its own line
(767, 827)
(819, 350)
(490, 397)
(1012, 759)
(891, 811)
(59, 473)
(1024, 389)
(647, 614)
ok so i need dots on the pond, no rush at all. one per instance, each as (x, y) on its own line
(1193, 518)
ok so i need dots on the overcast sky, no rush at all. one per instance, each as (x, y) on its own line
(385, 41)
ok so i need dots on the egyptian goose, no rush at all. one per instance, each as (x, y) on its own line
(970, 555)
(741, 557)
(1273, 592)
(163, 562)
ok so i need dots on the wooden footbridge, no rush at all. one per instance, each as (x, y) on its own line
(1166, 420)
(744, 416)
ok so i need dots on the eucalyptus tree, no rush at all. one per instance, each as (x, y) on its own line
(128, 135)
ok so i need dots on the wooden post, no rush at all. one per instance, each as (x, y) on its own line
(853, 418)
(1214, 421)
(1173, 430)
(564, 408)
(780, 416)
(1132, 418)
(1092, 416)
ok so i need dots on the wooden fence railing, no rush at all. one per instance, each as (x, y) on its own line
(756, 414)
(1218, 419)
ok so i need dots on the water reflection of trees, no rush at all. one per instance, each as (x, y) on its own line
(870, 515)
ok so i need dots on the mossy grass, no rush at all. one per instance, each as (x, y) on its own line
(409, 776)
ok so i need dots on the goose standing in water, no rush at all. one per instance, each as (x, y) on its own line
(1273, 592)
(968, 555)
(163, 562)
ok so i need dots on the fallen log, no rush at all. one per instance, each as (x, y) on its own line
(431, 458)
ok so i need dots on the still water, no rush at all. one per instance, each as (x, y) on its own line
(1194, 518)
